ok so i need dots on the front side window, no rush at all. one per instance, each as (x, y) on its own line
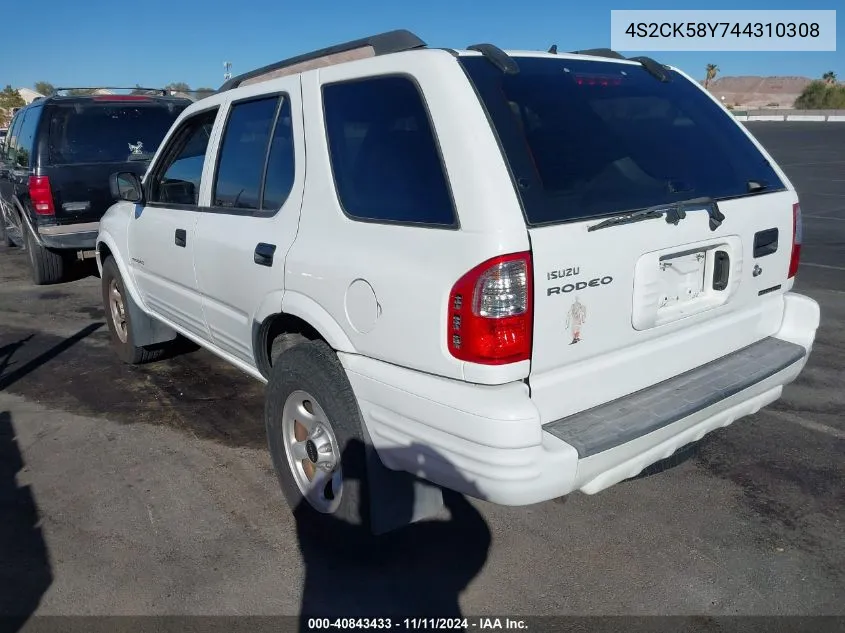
(384, 156)
(243, 153)
(178, 181)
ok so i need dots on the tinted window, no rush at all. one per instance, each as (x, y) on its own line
(383, 153)
(594, 138)
(26, 137)
(11, 141)
(243, 152)
(108, 132)
(280, 166)
(179, 183)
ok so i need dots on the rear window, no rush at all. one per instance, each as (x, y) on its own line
(108, 132)
(591, 138)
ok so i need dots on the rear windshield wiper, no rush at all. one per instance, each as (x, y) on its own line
(674, 212)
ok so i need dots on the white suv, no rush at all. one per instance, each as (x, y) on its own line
(511, 274)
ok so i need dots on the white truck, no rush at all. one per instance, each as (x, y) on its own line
(515, 275)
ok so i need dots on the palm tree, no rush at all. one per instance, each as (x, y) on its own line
(829, 77)
(712, 71)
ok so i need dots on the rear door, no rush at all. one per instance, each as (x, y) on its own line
(7, 182)
(620, 308)
(89, 139)
(245, 233)
(18, 167)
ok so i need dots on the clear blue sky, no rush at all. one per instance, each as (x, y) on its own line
(154, 42)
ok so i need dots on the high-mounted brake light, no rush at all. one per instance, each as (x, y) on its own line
(598, 80)
(41, 195)
(490, 315)
(797, 230)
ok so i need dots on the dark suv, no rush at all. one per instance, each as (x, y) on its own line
(55, 166)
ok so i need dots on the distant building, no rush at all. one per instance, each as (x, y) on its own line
(29, 95)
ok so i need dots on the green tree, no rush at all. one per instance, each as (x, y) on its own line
(829, 77)
(44, 87)
(11, 98)
(81, 92)
(819, 95)
(178, 86)
(712, 71)
(202, 93)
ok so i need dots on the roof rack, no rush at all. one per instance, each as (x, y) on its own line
(499, 58)
(372, 46)
(600, 52)
(652, 67)
(163, 91)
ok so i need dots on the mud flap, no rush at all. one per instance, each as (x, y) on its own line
(145, 329)
(390, 507)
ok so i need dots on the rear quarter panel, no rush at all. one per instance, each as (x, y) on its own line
(335, 260)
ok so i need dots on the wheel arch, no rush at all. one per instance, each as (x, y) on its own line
(292, 313)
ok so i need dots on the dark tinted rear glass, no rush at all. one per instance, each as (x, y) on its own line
(383, 152)
(592, 138)
(108, 132)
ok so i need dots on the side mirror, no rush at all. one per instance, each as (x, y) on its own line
(126, 185)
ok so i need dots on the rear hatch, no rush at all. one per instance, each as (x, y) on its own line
(622, 307)
(89, 139)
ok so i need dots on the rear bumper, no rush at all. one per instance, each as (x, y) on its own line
(488, 442)
(70, 236)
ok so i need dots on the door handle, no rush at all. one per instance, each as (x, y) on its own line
(765, 242)
(264, 254)
(181, 237)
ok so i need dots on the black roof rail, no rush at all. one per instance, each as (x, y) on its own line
(600, 52)
(381, 44)
(654, 68)
(163, 91)
(497, 57)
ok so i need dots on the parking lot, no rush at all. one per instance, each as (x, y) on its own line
(154, 491)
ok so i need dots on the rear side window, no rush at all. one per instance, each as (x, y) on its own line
(10, 149)
(243, 153)
(26, 137)
(592, 138)
(177, 181)
(108, 131)
(383, 152)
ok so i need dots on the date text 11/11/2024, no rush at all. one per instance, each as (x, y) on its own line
(459, 624)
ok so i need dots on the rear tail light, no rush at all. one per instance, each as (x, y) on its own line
(41, 195)
(797, 231)
(490, 312)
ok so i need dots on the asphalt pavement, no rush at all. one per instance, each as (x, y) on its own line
(148, 490)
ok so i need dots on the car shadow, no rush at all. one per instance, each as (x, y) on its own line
(25, 569)
(7, 353)
(418, 570)
(78, 269)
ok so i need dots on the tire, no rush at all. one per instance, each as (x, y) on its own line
(121, 333)
(312, 371)
(47, 266)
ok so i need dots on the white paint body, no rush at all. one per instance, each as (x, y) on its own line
(378, 295)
